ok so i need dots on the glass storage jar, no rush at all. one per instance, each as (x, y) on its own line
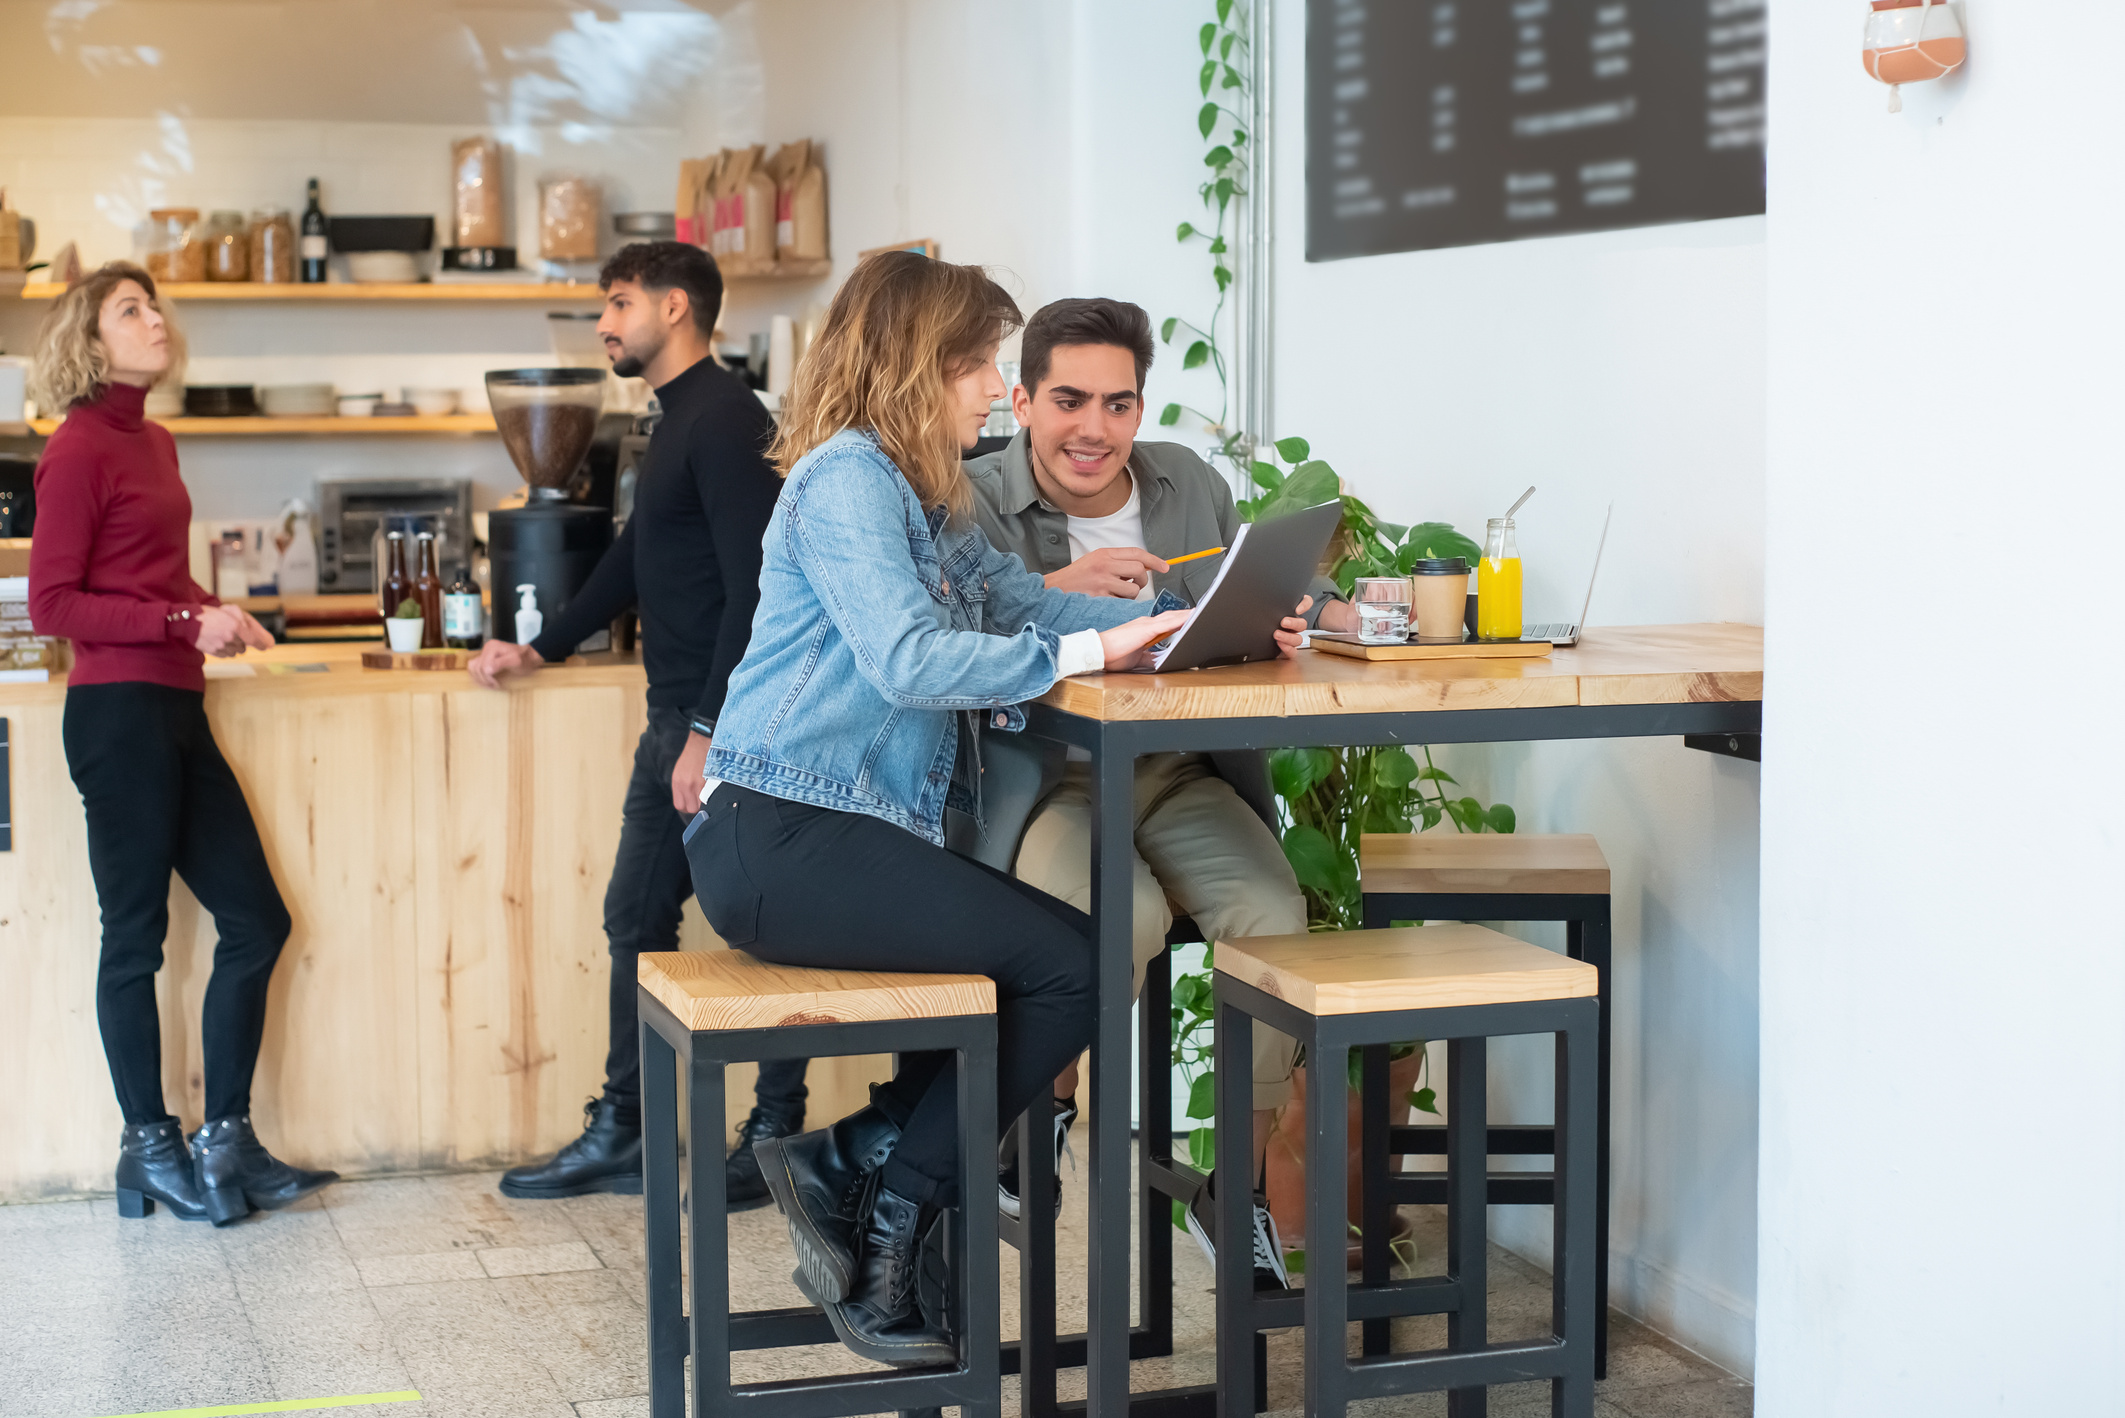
(272, 245)
(174, 251)
(228, 246)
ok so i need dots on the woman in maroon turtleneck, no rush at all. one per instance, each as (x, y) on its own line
(109, 571)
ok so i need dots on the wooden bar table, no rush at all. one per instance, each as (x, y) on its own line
(1623, 682)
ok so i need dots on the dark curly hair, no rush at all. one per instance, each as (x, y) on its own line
(1084, 322)
(670, 265)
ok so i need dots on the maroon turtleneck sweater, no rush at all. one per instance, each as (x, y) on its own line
(109, 562)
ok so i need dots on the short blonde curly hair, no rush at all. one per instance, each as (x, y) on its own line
(70, 364)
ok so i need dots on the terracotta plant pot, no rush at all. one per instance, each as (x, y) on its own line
(1287, 1157)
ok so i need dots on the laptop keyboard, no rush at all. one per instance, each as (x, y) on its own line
(1552, 631)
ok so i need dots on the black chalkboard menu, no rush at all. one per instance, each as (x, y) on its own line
(1452, 122)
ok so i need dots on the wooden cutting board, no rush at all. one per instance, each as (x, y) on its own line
(1339, 643)
(415, 660)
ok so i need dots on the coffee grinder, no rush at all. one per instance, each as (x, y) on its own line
(547, 419)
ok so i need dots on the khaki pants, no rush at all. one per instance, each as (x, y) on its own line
(1199, 847)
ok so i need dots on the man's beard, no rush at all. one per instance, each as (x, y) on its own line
(630, 365)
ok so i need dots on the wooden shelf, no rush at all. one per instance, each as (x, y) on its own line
(416, 290)
(283, 428)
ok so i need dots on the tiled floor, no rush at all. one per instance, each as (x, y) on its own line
(493, 1308)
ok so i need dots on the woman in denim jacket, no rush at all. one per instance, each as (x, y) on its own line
(886, 623)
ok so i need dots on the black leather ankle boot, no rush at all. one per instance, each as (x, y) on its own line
(153, 1166)
(882, 1319)
(606, 1158)
(817, 1179)
(237, 1175)
(743, 1187)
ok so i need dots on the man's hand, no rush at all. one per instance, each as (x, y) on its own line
(1125, 643)
(686, 775)
(1340, 616)
(223, 631)
(1111, 571)
(498, 659)
(1292, 633)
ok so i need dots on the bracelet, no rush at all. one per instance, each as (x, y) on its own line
(706, 728)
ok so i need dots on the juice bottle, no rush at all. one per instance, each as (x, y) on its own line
(1498, 583)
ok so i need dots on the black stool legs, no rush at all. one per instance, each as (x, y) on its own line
(694, 1316)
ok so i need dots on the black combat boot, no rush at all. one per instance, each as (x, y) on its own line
(237, 1175)
(817, 1179)
(882, 1319)
(153, 1166)
(606, 1158)
(743, 1188)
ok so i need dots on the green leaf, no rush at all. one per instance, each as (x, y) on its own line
(1209, 73)
(1436, 775)
(1222, 276)
(1224, 46)
(1468, 813)
(1239, 136)
(1294, 1261)
(1425, 1100)
(1295, 770)
(1218, 156)
(1265, 475)
(1206, 118)
(1180, 1215)
(1232, 77)
(1224, 10)
(1430, 813)
(1202, 1097)
(1198, 354)
(1207, 36)
(1165, 331)
(1501, 817)
(1440, 539)
(1169, 415)
(1395, 768)
(1217, 247)
(1202, 1148)
(1224, 190)
(1315, 860)
(1192, 992)
(1180, 233)
(1313, 482)
(1293, 450)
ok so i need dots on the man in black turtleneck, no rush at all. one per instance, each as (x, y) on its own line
(689, 561)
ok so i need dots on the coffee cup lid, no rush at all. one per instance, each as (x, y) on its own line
(1439, 566)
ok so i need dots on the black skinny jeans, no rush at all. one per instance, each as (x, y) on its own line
(160, 798)
(643, 901)
(809, 886)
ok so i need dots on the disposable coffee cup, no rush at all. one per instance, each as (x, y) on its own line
(1441, 594)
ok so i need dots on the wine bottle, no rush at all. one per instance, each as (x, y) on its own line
(428, 590)
(461, 613)
(315, 244)
(396, 585)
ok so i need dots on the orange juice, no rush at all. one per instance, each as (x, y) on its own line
(1498, 598)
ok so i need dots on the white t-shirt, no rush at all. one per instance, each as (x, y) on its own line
(1124, 528)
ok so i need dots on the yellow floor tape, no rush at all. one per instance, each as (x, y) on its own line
(287, 1405)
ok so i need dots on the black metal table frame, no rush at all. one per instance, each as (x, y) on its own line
(1115, 745)
(706, 1327)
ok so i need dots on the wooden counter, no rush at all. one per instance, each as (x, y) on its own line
(444, 851)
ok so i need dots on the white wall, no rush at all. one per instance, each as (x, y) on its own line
(1624, 367)
(1943, 958)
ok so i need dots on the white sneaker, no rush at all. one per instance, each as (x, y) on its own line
(1269, 1271)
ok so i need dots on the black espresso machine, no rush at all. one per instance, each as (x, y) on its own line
(566, 450)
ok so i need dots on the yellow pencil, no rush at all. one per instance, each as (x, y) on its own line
(1194, 556)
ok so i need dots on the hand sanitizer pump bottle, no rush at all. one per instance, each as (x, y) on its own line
(528, 620)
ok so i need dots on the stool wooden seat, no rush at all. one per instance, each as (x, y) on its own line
(1364, 991)
(704, 1010)
(1470, 876)
(728, 989)
(1488, 863)
(1415, 967)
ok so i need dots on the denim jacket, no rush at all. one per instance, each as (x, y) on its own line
(869, 644)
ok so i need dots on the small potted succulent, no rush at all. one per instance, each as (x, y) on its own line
(404, 626)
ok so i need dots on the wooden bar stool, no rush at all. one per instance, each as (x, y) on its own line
(1455, 876)
(1338, 992)
(714, 1008)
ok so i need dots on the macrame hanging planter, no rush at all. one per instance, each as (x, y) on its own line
(1910, 41)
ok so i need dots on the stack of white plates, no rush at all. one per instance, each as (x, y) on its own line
(296, 401)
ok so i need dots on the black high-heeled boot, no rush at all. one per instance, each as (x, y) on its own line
(882, 1319)
(153, 1166)
(237, 1174)
(817, 1179)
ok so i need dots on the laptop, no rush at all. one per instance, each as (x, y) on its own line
(1559, 633)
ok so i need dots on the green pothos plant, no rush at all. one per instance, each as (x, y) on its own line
(1329, 797)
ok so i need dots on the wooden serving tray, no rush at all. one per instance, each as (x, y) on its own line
(415, 660)
(1340, 643)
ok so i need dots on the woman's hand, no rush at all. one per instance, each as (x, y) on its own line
(223, 631)
(1292, 633)
(1125, 643)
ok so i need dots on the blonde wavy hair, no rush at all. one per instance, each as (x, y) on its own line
(901, 328)
(71, 364)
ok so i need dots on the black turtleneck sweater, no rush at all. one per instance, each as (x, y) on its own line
(689, 559)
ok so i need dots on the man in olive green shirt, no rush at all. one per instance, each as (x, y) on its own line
(1077, 499)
